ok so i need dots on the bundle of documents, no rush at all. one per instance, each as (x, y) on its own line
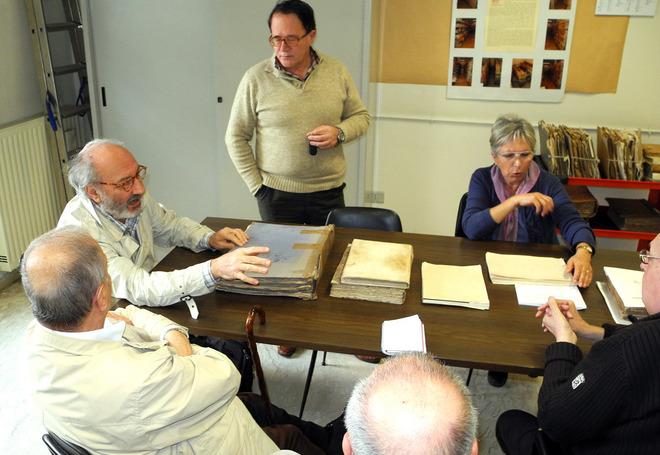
(537, 295)
(567, 151)
(651, 162)
(633, 214)
(625, 286)
(374, 271)
(620, 153)
(297, 254)
(585, 203)
(519, 269)
(362, 291)
(403, 335)
(454, 285)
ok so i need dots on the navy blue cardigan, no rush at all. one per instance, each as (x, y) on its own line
(532, 228)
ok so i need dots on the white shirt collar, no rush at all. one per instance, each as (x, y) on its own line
(111, 331)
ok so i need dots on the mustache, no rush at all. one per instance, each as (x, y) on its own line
(134, 198)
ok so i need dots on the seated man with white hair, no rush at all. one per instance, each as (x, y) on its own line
(409, 405)
(112, 204)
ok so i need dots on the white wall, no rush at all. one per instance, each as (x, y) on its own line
(425, 147)
(19, 89)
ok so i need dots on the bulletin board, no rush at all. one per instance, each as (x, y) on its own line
(410, 42)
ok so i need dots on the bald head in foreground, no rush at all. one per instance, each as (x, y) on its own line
(410, 404)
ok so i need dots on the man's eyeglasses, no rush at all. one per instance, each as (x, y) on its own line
(510, 156)
(644, 256)
(127, 183)
(290, 40)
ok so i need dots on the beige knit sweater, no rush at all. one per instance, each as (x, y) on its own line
(281, 110)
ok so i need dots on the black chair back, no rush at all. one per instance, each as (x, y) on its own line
(58, 446)
(458, 231)
(365, 218)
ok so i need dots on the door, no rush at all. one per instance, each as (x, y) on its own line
(163, 67)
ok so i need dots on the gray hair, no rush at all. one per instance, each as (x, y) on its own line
(60, 281)
(81, 169)
(510, 127)
(415, 384)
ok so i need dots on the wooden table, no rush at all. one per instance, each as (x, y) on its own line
(505, 338)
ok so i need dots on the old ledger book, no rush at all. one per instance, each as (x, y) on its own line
(625, 286)
(520, 269)
(363, 291)
(378, 264)
(297, 254)
(454, 285)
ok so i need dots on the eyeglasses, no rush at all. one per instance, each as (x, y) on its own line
(644, 256)
(127, 183)
(291, 40)
(510, 156)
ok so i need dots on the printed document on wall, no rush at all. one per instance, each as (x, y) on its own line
(510, 49)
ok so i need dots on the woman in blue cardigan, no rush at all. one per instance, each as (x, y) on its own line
(515, 200)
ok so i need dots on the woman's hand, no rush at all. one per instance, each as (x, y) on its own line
(580, 266)
(543, 205)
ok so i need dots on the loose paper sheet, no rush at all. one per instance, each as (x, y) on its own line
(537, 295)
(403, 335)
(626, 7)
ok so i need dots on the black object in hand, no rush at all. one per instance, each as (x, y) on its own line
(313, 149)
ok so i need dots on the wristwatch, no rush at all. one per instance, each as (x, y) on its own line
(341, 137)
(585, 246)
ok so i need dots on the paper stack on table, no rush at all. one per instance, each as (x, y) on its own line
(403, 335)
(454, 285)
(297, 254)
(374, 271)
(537, 295)
(625, 286)
(515, 269)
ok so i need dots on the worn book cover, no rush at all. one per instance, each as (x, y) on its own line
(363, 291)
(454, 285)
(378, 264)
(514, 269)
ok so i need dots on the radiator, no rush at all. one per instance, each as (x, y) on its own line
(28, 200)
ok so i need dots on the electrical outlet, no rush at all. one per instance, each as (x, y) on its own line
(375, 197)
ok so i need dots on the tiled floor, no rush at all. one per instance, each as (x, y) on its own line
(20, 427)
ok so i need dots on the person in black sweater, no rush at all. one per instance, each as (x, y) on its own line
(608, 402)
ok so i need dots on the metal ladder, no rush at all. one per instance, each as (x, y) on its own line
(59, 51)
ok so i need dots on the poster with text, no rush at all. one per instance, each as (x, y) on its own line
(514, 50)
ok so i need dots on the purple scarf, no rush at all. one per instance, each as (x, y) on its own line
(509, 227)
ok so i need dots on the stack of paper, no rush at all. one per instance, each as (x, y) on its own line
(403, 335)
(651, 161)
(537, 295)
(454, 285)
(620, 153)
(519, 269)
(625, 286)
(374, 271)
(297, 254)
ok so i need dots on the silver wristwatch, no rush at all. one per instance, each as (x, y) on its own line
(341, 137)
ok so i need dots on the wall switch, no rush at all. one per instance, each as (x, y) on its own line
(375, 197)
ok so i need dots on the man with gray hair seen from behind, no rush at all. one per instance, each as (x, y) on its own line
(112, 204)
(410, 404)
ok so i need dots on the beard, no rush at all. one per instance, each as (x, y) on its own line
(120, 211)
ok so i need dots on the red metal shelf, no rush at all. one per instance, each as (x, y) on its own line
(609, 183)
(617, 234)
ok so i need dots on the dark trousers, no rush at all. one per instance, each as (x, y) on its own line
(518, 433)
(298, 208)
(290, 432)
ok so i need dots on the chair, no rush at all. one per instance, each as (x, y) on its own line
(58, 446)
(459, 232)
(256, 361)
(354, 217)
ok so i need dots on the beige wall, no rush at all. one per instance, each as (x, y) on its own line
(425, 147)
(19, 89)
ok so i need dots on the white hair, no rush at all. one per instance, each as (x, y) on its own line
(81, 170)
(411, 404)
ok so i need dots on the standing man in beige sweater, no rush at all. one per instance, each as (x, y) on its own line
(302, 105)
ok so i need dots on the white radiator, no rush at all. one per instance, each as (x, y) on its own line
(28, 202)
